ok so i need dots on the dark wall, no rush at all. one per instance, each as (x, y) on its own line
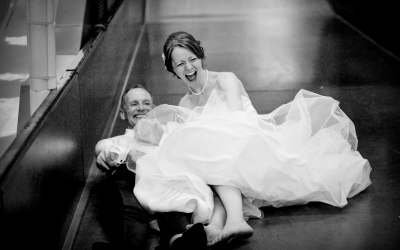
(379, 20)
(44, 171)
(43, 186)
(97, 12)
(103, 74)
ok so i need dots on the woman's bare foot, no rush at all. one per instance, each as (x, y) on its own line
(233, 232)
(212, 232)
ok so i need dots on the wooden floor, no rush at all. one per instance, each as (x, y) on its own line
(276, 51)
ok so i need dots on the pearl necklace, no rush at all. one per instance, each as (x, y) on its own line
(201, 92)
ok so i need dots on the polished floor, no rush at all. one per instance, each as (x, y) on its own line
(276, 51)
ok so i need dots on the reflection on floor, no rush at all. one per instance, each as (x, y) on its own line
(276, 53)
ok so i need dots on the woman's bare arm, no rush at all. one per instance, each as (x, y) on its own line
(232, 87)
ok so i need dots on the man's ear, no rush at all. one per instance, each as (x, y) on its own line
(122, 114)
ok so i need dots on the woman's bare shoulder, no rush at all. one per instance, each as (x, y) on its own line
(228, 80)
(226, 76)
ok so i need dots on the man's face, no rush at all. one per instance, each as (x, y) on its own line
(137, 103)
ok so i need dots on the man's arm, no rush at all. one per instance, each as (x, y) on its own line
(107, 153)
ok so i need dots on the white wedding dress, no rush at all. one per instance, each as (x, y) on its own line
(304, 151)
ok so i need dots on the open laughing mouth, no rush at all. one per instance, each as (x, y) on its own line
(192, 76)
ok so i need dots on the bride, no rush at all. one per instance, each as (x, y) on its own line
(218, 158)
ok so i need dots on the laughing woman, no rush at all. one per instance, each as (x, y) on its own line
(214, 142)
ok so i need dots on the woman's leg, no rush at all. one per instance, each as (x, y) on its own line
(214, 228)
(235, 225)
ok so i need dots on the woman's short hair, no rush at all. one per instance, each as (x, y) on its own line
(184, 40)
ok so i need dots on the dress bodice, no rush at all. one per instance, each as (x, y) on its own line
(218, 100)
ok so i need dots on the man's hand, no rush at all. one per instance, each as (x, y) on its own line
(107, 162)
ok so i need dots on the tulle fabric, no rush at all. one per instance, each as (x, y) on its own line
(304, 151)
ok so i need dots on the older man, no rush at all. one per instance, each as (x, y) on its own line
(113, 154)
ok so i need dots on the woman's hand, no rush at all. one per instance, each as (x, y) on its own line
(131, 158)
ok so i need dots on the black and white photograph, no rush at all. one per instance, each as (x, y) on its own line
(199, 124)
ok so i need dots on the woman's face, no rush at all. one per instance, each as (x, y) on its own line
(186, 65)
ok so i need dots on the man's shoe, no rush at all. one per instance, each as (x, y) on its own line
(194, 238)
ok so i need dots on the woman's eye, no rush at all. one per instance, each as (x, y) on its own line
(193, 59)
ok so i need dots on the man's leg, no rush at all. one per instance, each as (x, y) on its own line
(135, 218)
